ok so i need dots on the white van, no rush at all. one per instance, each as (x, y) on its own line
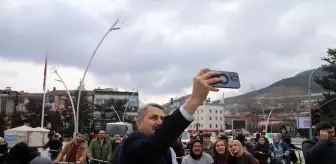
(185, 137)
(121, 128)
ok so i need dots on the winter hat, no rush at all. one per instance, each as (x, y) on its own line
(41, 160)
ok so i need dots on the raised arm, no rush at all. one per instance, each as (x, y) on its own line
(174, 125)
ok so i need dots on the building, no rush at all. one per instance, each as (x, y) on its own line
(173, 104)
(209, 118)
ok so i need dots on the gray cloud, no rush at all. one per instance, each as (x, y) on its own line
(162, 44)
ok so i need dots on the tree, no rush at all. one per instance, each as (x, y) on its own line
(16, 119)
(84, 109)
(55, 119)
(328, 83)
(4, 122)
(34, 112)
(67, 124)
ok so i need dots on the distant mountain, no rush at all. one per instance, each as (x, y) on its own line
(297, 84)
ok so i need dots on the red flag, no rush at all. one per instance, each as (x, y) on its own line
(45, 74)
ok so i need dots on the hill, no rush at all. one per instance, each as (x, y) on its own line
(297, 84)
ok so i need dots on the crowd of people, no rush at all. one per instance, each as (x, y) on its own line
(157, 141)
(239, 150)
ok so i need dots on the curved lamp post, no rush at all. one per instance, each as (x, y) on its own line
(309, 103)
(87, 67)
(70, 97)
(116, 114)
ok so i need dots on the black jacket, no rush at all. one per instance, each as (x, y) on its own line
(319, 152)
(178, 149)
(261, 157)
(153, 149)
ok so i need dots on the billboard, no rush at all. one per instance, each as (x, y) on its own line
(303, 122)
(133, 103)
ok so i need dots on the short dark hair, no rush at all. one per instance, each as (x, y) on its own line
(207, 135)
(79, 133)
(323, 126)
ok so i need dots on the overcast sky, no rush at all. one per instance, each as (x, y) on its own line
(161, 43)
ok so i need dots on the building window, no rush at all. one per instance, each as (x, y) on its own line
(216, 125)
(201, 110)
(210, 118)
(209, 125)
(201, 117)
(220, 118)
(210, 110)
(216, 118)
(220, 111)
(216, 111)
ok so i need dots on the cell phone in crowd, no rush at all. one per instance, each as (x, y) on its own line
(231, 80)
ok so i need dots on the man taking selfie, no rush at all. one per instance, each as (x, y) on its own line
(151, 143)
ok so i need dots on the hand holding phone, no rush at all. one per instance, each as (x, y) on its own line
(231, 80)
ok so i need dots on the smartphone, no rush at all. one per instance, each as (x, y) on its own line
(231, 80)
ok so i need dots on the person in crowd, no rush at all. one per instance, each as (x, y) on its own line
(74, 151)
(279, 151)
(54, 145)
(116, 141)
(286, 138)
(224, 138)
(100, 148)
(207, 144)
(51, 133)
(322, 148)
(20, 153)
(3, 146)
(263, 135)
(191, 138)
(151, 143)
(197, 156)
(221, 152)
(246, 145)
(91, 137)
(260, 151)
(239, 154)
(41, 160)
(199, 138)
(256, 140)
(178, 149)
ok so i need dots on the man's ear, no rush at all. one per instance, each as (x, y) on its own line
(138, 122)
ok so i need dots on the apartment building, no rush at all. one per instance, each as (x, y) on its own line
(210, 118)
(174, 103)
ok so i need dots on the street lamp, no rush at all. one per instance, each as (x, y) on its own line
(71, 101)
(116, 114)
(128, 103)
(309, 103)
(262, 106)
(87, 67)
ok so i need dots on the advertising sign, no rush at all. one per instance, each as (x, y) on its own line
(14, 138)
(303, 122)
(133, 101)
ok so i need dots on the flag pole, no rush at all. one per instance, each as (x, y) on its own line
(44, 91)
